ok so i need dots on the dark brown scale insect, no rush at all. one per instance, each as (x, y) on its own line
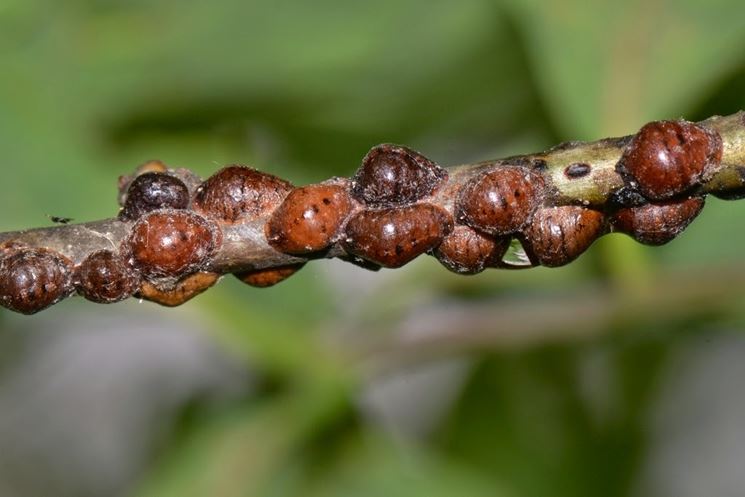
(240, 193)
(393, 237)
(466, 251)
(309, 219)
(105, 277)
(151, 166)
(392, 175)
(657, 224)
(667, 158)
(501, 200)
(184, 290)
(558, 235)
(171, 243)
(152, 191)
(32, 279)
(263, 278)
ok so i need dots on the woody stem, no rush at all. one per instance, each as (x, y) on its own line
(577, 173)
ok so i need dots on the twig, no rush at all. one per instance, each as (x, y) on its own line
(176, 235)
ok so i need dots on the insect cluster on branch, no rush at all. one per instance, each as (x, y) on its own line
(397, 206)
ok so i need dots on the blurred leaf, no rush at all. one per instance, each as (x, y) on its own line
(372, 466)
(240, 452)
(571, 414)
(606, 67)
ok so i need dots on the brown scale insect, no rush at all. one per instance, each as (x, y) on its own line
(171, 243)
(32, 279)
(153, 191)
(264, 278)
(104, 277)
(392, 175)
(667, 158)
(309, 219)
(558, 235)
(466, 251)
(392, 237)
(500, 200)
(657, 224)
(238, 193)
(184, 290)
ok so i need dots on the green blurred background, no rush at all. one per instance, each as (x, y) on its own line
(617, 375)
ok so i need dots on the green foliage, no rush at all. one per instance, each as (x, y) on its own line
(91, 88)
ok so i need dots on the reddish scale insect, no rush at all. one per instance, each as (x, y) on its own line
(32, 279)
(171, 243)
(466, 251)
(501, 200)
(104, 277)
(558, 235)
(264, 278)
(153, 191)
(184, 290)
(309, 219)
(240, 193)
(667, 158)
(392, 175)
(393, 237)
(657, 224)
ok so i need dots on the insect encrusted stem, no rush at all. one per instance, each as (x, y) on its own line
(176, 235)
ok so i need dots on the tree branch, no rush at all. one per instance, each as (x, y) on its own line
(176, 235)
